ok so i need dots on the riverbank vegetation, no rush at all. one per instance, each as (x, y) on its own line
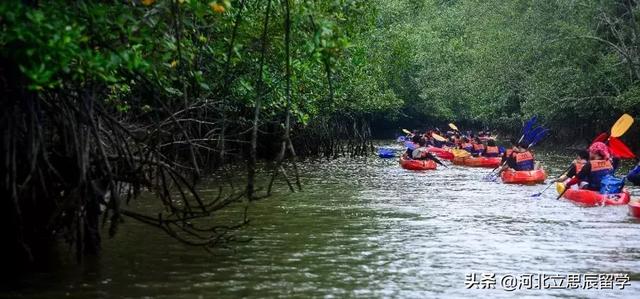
(105, 99)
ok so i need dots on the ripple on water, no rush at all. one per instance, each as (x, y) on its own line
(367, 228)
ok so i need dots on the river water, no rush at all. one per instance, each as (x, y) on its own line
(367, 228)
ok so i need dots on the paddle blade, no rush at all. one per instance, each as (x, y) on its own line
(622, 125)
(619, 150)
(407, 132)
(539, 137)
(560, 188)
(438, 137)
(453, 127)
(530, 136)
(529, 124)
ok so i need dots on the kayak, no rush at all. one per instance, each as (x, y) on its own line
(417, 164)
(458, 161)
(488, 162)
(440, 152)
(590, 198)
(386, 153)
(524, 177)
(634, 208)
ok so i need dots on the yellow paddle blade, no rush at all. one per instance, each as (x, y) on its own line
(407, 131)
(559, 188)
(622, 125)
(452, 126)
(438, 137)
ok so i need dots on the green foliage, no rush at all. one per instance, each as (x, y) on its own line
(491, 62)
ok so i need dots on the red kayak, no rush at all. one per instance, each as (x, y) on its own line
(590, 198)
(440, 152)
(524, 177)
(634, 208)
(417, 164)
(487, 162)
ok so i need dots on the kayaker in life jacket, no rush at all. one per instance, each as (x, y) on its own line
(520, 159)
(465, 145)
(581, 160)
(422, 153)
(596, 169)
(492, 150)
(478, 147)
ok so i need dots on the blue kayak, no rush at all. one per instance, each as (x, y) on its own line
(386, 153)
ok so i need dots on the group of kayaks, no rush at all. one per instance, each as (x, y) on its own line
(508, 177)
(580, 197)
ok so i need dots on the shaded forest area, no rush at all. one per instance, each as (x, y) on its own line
(105, 99)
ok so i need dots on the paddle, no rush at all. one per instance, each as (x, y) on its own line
(432, 157)
(622, 125)
(454, 127)
(545, 189)
(407, 132)
(564, 189)
(438, 137)
(527, 127)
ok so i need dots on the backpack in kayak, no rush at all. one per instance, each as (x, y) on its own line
(611, 185)
(634, 175)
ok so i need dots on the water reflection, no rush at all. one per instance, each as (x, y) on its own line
(367, 228)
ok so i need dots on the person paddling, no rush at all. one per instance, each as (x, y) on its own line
(492, 150)
(520, 159)
(465, 145)
(478, 147)
(595, 170)
(422, 153)
(581, 160)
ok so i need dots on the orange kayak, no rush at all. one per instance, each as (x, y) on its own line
(590, 198)
(634, 208)
(524, 177)
(417, 164)
(486, 162)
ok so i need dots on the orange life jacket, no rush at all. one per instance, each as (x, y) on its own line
(524, 160)
(493, 150)
(598, 165)
(478, 147)
(523, 157)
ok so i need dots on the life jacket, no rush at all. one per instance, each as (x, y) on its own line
(492, 151)
(466, 146)
(599, 169)
(524, 161)
(478, 147)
